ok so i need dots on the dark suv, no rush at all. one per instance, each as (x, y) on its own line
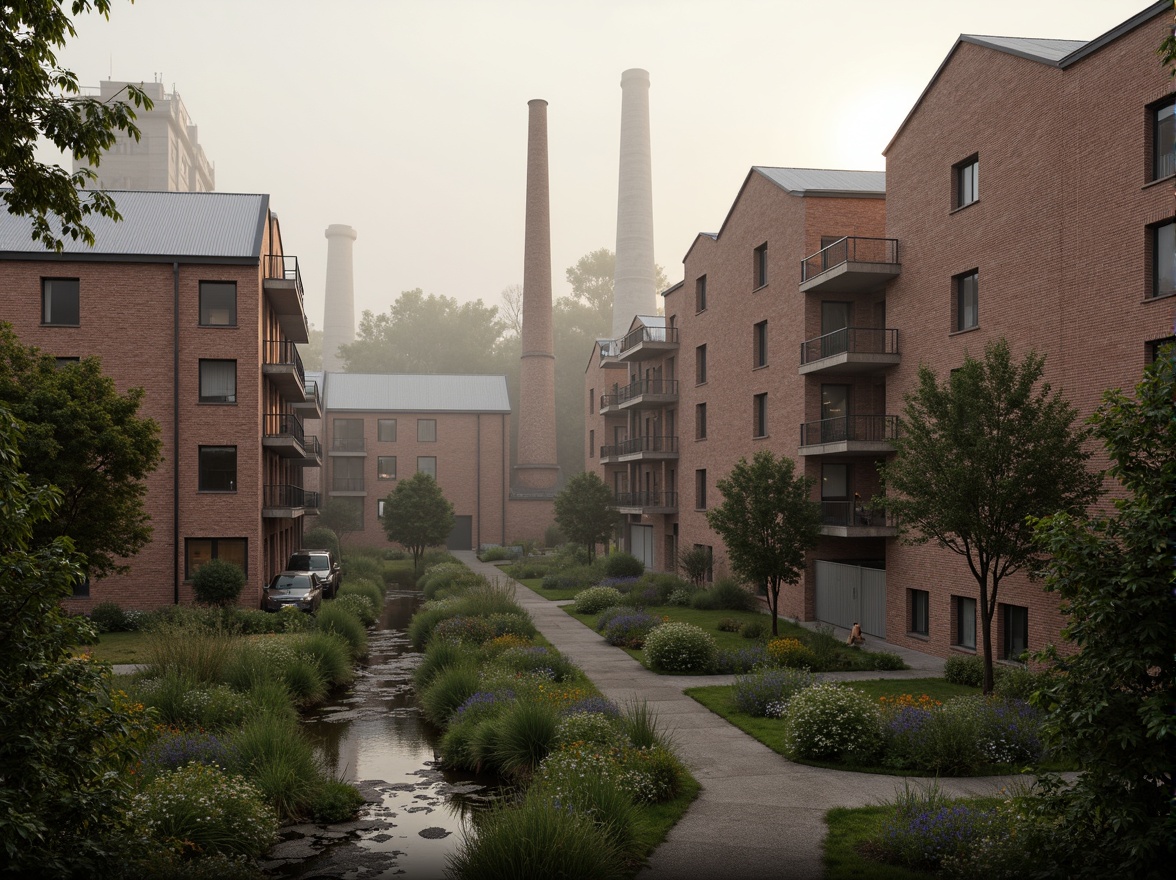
(322, 563)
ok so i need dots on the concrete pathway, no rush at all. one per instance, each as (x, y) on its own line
(758, 814)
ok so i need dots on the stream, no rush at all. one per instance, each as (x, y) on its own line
(373, 736)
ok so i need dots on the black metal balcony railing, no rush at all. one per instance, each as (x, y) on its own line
(648, 334)
(284, 425)
(849, 340)
(283, 352)
(283, 268)
(285, 495)
(641, 444)
(639, 388)
(347, 444)
(347, 484)
(646, 499)
(850, 428)
(311, 391)
(854, 513)
(851, 249)
(312, 446)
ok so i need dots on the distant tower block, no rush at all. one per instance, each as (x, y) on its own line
(635, 284)
(339, 302)
(537, 470)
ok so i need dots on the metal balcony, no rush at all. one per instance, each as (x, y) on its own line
(645, 343)
(284, 501)
(347, 485)
(311, 404)
(641, 449)
(643, 392)
(282, 283)
(348, 446)
(283, 433)
(852, 519)
(282, 365)
(850, 265)
(646, 502)
(849, 434)
(850, 350)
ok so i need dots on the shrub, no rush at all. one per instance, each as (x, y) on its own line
(182, 702)
(174, 749)
(765, 694)
(730, 595)
(792, 653)
(358, 606)
(331, 654)
(420, 628)
(495, 554)
(511, 623)
(198, 650)
(680, 597)
(304, 681)
(369, 589)
(593, 728)
(108, 617)
(653, 775)
(437, 656)
(927, 827)
(831, 722)
(280, 761)
(335, 801)
(739, 660)
(754, 629)
(704, 600)
(367, 568)
(525, 569)
(529, 660)
(620, 564)
(885, 660)
(552, 536)
(965, 670)
(323, 538)
(333, 618)
(449, 687)
(680, 647)
(661, 584)
(595, 599)
(603, 802)
(1018, 682)
(463, 629)
(695, 562)
(218, 582)
(630, 630)
(825, 646)
(729, 625)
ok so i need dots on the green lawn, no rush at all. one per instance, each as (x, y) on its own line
(849, 832)
(119, 647)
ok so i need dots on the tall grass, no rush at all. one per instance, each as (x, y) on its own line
(366, 588)
(200, 652)
(449, 689)
(525, 734)
(439, 655)
(332, 654)
(273, 752)
(332, 618)
(642, 726)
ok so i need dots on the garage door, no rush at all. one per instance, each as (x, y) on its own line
(641, 538)
(846, 593)
(462, 536)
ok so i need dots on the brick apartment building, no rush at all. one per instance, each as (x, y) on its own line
(192, 298)
(1067, 247)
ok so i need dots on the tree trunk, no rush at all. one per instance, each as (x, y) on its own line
(773, 590)
(986, 609)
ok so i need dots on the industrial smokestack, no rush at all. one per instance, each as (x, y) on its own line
(339, 301)
(634, 285)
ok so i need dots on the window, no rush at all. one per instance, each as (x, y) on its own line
(592, 444)
(760, 262)
(700, 490)
(967, 181)
(920, 614)
(1154, 347)
(700, 365)
(347, 435)
(63, 362)
(760, 415)
(700, 294)
(1163, 139)
(965, 614)
(426, 430)
(759, 344)
(218, 469)
(967, 300)
(386, 467)
(386, 430)
(427, 464)
(700, 421)
(218, 304)
(1163, 259)
(380, 507)
(591, 399)
(710, 560)
(198, 551)
(1015, 620)
(218, 381)
(61, 302)
(81, 588)
(347, 474)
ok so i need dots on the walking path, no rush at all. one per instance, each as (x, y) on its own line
(758, 814)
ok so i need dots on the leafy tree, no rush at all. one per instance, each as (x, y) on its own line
(979, 454)
(321, 538)
(218, 582)
(417, 515)
(584, 511)
(38, 99)
(591, 280)
(88, 440)
(1114, 708)
(575, 327)
(65, 741)
(695, 562)
(767, 523)
(341, 516)
(512, 308)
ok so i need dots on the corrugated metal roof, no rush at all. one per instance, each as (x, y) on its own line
(1033, 48)
(812, 181)
(402, 392)
(169, 224)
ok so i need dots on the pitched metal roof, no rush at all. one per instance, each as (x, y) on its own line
(158, 225)
(823, 181)
(402, 392)
(1046, 51)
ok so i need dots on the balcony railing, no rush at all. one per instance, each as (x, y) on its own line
(851, 249)
(865, 429)
(849, 340)
(314, 449)
(854, 513)
(663, 500)
(287, 496)
(638, 445)
(347, 444)
(640, 388)
(647, 334)
(283, 353)
(281, 267)
(347, 484)
(284, 425)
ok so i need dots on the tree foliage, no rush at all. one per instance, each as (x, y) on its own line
(591, 280)
(417, 515)
(39, 99)
(584, 511)
(88, 440)
(979, 454)
(218, 582)
(65, 742)
(1114, 706)
(341, 516)
(767, 523)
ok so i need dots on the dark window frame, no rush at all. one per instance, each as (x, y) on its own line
(71, 289)
(205, 481)
(960, 635)
(700, 421)
(700, 489)
(1158, 286)
(381, 437)
(920, 612)
(215, 553)
(760, 266)
(382, 471)
(1010, 649)
(207, 309)
(431, 458)
(759, 344)
(1162, 130)
(222, 399)
(965, 176)
(700, 294)
(960, 294)
(759, 415)
(700, 365)
(424, 429)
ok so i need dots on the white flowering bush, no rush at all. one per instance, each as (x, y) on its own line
(594, 728)
(595, 599)
(652, 775)
(831, 722)
(680, 647)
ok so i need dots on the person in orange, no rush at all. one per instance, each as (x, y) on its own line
(855, 635)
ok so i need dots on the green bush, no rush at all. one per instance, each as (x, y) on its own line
(1018, 682)
(279, 760)
(525, 569)
(449, 687)
(437, 656)
(619, 564)
(826, 648)
(704, 600)
(754, 629)
(681, 597)
(605, 802)
(198, 650)
(180, 701)
(331, 653)
(369, 589)
(926, 827)
(359, 606)
(595, 729)
(108, 617)
(552, 536)
(732, 596)
(885, 660)
(496, 554)
(965, 670)
(336, 619)
(369, 568)
(321, 538)
(832, 722)
(420, 628)
(463, 628)
(524, 734)
(680, 647)
(525, 660)
(334, 801)
(792, 654)
(765, 693)
(218, 582)
(654, 775)
(304, 680)
(595, 599)
(512, 623)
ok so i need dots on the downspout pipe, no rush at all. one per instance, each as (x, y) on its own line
(176, 574)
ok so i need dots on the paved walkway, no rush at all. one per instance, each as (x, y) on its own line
(758, 814)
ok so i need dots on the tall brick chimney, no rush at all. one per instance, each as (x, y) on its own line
(339, 299)
(634, 285)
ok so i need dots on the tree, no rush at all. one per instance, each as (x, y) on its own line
(88, 440)
(417, 515)
(575, 328)
(591, 280)
(312, 352)
(218, 582)
(1114, 706)
(979, 454)
(584, 511)
(65, 741)
(341, 516)
(38, 99)
(512, 308)
(767, 523)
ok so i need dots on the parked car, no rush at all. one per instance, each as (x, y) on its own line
(302, 589)
(322, 563)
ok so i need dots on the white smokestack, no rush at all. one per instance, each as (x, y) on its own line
(634, 285)
(339, 303)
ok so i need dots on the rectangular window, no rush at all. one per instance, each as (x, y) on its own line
(347, 435)
(700, 490)
(1163, 139)
(700, 421)
(347, 474)
(967, 300)
(967, 181)
(760, 261)
(218, 381)
(198, 551)
(218, 303)
(965, 614)
(591, 400)
(1153, 349)
(1163, 259)
(218, 469)
(386, 467)
(759, 344)
(61, 304)
(920, 612)
(700, 365)
(760, 415)
(592, 444)
(63, 362)
(386, 430)
(700, 294)
(1015, 620)
(710, 560)
(380, 508)
(426, 430)
(427, 464)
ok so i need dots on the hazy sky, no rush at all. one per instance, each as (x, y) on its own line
(407, 119)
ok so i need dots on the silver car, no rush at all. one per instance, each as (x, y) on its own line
(302, 589)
